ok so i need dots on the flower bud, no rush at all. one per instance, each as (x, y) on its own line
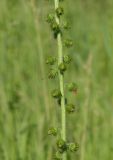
(50, 60)
(52, 74)
(68, 43)
(66, 25)
(55, 26)
(62, 146)
(50, 18)
(73, 147)
(67, 59)
(56, 93)
(72, 87)
(70, 108)
(52, 131)
(62, 67)
(57, 156)
(59, 11)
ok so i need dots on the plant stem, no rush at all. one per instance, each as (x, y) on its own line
(61, 80)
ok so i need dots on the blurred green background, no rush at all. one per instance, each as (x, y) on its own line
(25, 42)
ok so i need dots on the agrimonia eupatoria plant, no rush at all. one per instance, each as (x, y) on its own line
(62, 61)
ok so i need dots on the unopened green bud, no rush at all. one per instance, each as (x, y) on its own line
(72, 87)
(66, 25)
(55, 26)
(67, 59)
(62, 146)
(52, 74)
(56, 93)
(59, 11)
(50, 60)
(62, 67)
(50, 18)
(73, 147)
(70, 108)
(57, 156)
(52, 131)
(68, 43)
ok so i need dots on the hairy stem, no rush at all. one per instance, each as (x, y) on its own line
(61, 80)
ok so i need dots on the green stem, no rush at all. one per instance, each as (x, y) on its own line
(61, 79)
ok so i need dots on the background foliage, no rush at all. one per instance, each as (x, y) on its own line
(26, 107)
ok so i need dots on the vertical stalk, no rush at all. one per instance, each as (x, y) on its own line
(61, 80)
